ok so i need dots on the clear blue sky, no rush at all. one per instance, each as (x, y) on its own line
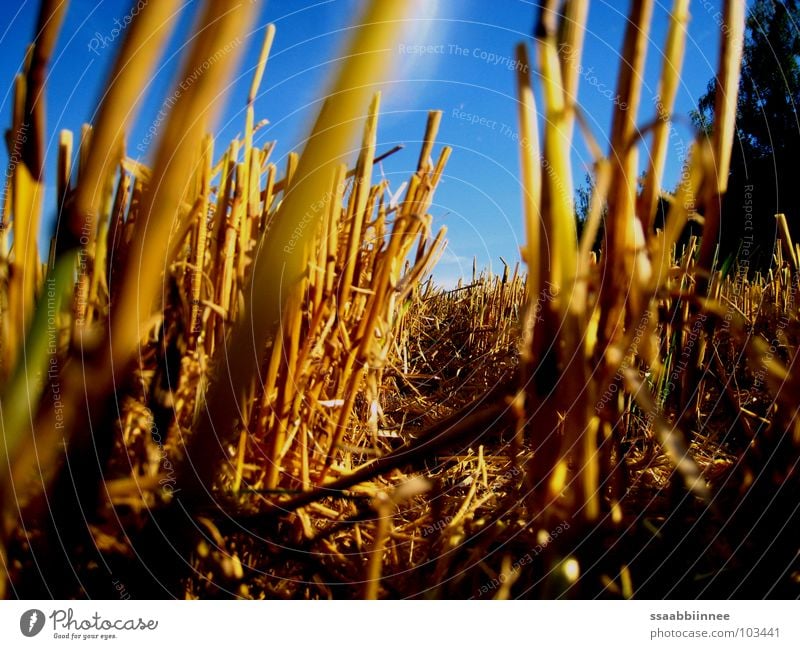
(479, 199)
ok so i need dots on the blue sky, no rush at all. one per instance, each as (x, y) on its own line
(465, 72)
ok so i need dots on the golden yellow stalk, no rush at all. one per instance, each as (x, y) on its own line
(24, 191)
(269, 195)
(786, 238)
(26, 182)
(27, 460)
(362, 185)
(434, 120)
(278, 264)
(83, 149)
(227, 167)
(665, 101)
(590, 470)
(64, 167)
(292, 160)
(233, 224)
(530, 169)
(200, 238)
(150, 217)
(725, 102)
(570, 47)
(117, 224)
(261, 65)
(558, 216)
(141, 49)
(683, 203)
(531, 176)
(671, 438)
(562, 312)
(619, 252)
(177, 151)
